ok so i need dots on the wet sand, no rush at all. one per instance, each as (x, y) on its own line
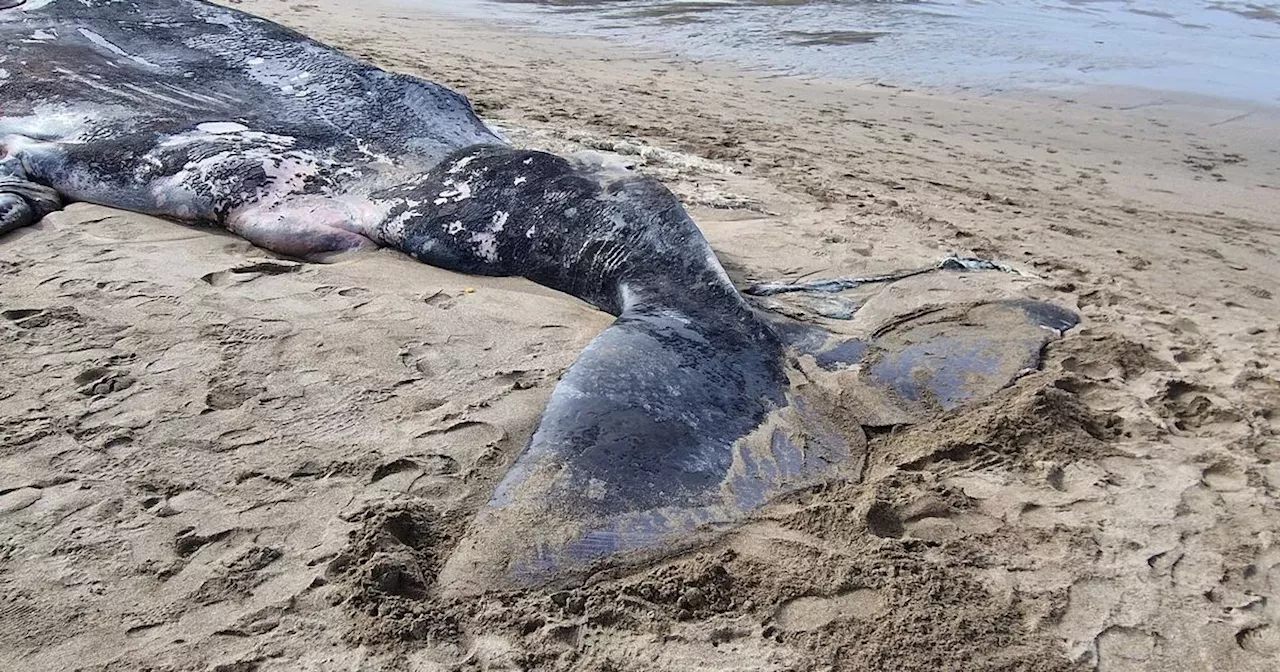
(214, 459)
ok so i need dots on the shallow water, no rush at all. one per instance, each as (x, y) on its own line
(1219, 48)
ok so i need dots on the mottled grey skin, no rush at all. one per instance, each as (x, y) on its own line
(198, 113)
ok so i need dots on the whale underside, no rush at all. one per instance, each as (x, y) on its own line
(677, 422)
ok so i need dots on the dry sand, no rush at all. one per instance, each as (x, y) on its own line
(213, 459)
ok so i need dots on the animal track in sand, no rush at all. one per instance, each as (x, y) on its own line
(471, 431)
(187, 542)
(926, 518)
(19, 499)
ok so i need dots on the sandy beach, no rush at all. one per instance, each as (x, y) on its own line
(215, 459)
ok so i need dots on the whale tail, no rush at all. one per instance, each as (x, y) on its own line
(671, 428)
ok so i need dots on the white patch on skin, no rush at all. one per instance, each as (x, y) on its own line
(629, 296)
(219, 19)
(35, 4)
(364, 148)
(285, 72)
(192, 191)
(393, 230)
(532, 230)
(236, 138)
(221, 127)
(464, 191)
(462, 163)
(106, 44)
(454, 228)
(4, 74)
(500, 220)
(287, 174)
(527, 161)
(456, 191)
(521, 180)
(486, 246)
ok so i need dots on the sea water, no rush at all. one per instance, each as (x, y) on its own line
(1223, 48)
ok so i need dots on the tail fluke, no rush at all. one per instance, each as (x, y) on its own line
(667, 427)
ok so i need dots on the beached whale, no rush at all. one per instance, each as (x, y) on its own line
(677, 420)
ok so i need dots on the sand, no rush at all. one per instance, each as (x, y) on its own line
(214, 459)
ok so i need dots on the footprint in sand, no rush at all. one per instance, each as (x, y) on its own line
(425, 477)
(21, 315)
(18, 500)
(428, 359)
(250, 272)
(928, 518)
(441, 300)
(806, 614)
(1225, 477)
(225, 396)
(37, 318)
(99, 382)
(1263, 640)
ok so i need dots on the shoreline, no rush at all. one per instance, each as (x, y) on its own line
(275, 439)
(1104, 96)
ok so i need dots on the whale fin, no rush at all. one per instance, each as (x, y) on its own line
(942, 358)
(937, 358)
(22, 202)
